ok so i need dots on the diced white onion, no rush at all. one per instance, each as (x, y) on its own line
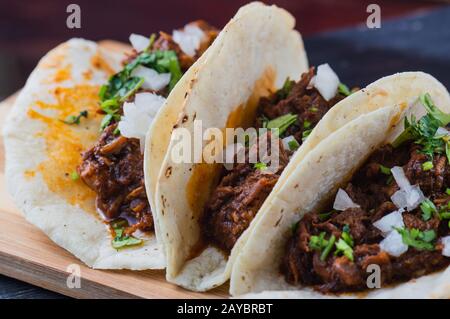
(407, 196)
(393, 244)
(146, 100)
(288, 140)
(326, 81)
(343, 201)
(446, 242)
(442, 132)
(189, 39)
(388, 222)
(400, 177)
(137, 118)
(139, 42)
(152, 79)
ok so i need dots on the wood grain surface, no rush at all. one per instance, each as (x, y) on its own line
(29, 255)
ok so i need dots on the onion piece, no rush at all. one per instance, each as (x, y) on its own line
(137, 118)
(441, 131)
(152, 79)
(393, 244)
(343, 201)
(326, 81)
(388, 222)
(189, 39)
(139, 42)
(446, 242)
(400, 177)
(407, 196)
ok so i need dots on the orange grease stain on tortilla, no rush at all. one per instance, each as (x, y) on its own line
(63, 74)
(87, 75)
(205, 176)
(99, 62)
(29, 174)
(64, 143)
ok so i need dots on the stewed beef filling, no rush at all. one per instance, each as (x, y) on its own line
(113, 167)
(243, 189)
(371, 188)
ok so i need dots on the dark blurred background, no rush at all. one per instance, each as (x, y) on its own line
(28, 29)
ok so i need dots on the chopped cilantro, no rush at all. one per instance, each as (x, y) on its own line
(426, 166)
(121, 240)
(346, 235)
(385, 170)
(74, 175)
(342, 247)
(428, 209)
(344, 90)
(327, 249)
(324, 216)
(122, 85)
(305, 134)
(318, 242)
(261, 166)
(286, 89)
(306, 124)
(420, 240)
(282, 123)
(75, 119)
(293, 145)
(423, 132)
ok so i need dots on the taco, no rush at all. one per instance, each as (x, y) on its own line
(204, 223)
(366, 208)
(75, 141)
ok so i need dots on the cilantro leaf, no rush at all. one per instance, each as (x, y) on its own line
(121, 240)
(417, 239)
(342, 247)
(344, 90)
(328, 247)
(432, 109)
(260, 165)
(428, 209)
(72, 119)
(286, 89)
(282, 123)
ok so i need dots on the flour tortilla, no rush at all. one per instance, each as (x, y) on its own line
(254, 54)
(76, 63)
(256, 270)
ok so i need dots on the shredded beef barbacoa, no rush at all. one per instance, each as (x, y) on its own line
(242, 190)
(371, 189)
(113, 167)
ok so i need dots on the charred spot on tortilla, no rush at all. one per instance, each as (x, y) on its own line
(112, 167)
(293, 111)
(393, 212)
(185, 119)
(168, 171)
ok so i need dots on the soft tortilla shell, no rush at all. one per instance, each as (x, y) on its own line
(73, 226)
(329, 164)
(256, 51)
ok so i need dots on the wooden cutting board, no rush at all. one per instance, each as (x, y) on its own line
(29, 255)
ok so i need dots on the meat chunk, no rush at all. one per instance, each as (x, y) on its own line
(113, 168)
(303, 100)
(236, 200)
(371, 188)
